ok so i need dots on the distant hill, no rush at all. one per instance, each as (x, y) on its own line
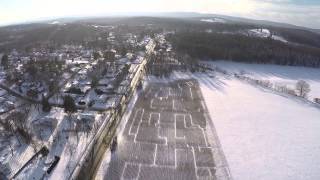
(216, 23)
(316, 31)
(232, 18)
(180, 15)
(79, 29)
(204, 36)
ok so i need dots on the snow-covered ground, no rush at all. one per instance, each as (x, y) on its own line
(66, 139)
(264, 136)
(265, 33)
(281, 75)
(57, 22)
(101, 172)
(54, 22)
(214, 20)
(71, 150)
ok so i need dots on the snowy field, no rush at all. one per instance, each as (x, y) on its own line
(214, 20)
(265, 33)
(282, 75)
(264, 136)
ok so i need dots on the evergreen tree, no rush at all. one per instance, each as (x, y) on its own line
(5, 61)
(46, 107)
(69, 105)
(94, 81)
(96, 55)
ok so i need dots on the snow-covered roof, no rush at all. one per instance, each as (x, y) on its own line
(123, 61)
(105, 81)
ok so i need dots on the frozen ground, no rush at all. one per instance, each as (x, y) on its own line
(265, 33)
(67, 140)
(263, 135)
(258, 33)
(284, 75)
(214, 20)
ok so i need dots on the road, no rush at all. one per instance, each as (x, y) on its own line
(168, 136)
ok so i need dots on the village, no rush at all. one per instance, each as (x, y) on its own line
(158, 98)
(54, 102)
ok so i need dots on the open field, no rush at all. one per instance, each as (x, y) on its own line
(168, 135)
(264, 135)
(281, 75)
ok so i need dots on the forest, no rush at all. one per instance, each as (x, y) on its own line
(236, 47)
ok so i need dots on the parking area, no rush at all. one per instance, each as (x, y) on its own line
(169, 135)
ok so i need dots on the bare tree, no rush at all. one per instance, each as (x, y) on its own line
(303, 88)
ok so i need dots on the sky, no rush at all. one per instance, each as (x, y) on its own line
(297, 12)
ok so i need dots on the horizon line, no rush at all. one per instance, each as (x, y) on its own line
(143, 14)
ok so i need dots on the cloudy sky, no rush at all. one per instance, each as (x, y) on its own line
(298, 12)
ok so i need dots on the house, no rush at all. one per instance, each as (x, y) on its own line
(78, 88)
(105, 81)
(86, 53)
(104, 90)
(77, 61)
(87, 116)
(123, 61)
(131, 56)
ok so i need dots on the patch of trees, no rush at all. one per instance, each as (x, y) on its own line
(44, 69)
(158, 24)
(156, 65)
(38, 34)
(96, 55)
(46, 107)
(69, 105)
(160, 65)
(121, 75)
(235, 47)
(302, 87)
(53, 85)
(109, 55)
(298, 36)
(94, 81)
(16, 123)
(5, 61)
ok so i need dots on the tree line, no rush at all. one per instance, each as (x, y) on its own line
(302, 88)
(236, 47)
